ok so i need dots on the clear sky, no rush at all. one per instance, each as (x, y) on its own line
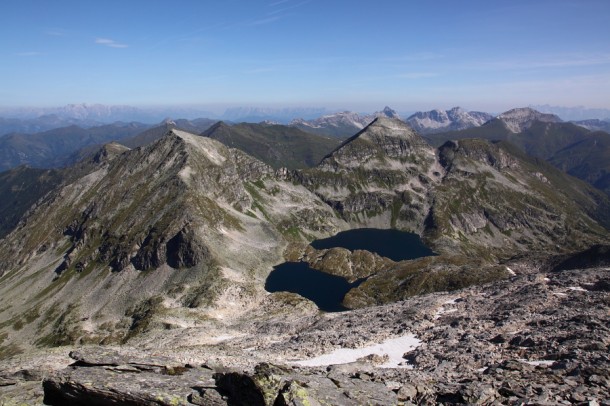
(361, 55)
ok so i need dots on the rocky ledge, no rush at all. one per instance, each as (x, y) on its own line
(541, 337)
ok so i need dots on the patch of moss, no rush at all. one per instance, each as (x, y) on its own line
(10, 350)
(141, 315)
(291, 232)
(396, 206)
(253, 191)
(65, 329)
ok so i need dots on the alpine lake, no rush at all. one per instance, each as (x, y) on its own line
(327, 291)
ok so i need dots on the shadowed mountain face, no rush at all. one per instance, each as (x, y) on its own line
(535, 137)
(153, 134)
(276, 145)
(588, 160)
(21, 188)
(54, 148)
(187, 229)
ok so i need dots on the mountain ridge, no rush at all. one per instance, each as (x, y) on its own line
(435, 121)
(342, 124)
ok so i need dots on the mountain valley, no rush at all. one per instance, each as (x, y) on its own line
(151, 258)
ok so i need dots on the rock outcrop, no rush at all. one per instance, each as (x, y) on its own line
(379, 177)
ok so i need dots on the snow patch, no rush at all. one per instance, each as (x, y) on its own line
(223, 337)
(395, 348)
(537, 362)
(186, 173)
(577, 288)
(510, 271)
(442, 309)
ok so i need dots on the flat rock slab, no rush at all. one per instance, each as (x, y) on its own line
(115, 386)
(104, 384)
(100, 356)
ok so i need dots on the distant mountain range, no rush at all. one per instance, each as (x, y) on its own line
(92, 114)
(347, 123)
(342, 124)
(52, 148)
(280, 115)
(594, 124)
(574, 113)
(311, 119)
(39, 124)
(435, 121)
(303, 142)
(569, 146)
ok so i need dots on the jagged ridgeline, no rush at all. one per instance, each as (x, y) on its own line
(186, 230)
(469, 196)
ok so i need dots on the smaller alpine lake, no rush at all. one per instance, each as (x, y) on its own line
(327, 291)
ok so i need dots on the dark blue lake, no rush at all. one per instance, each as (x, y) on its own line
(394, 244)
(327, 291)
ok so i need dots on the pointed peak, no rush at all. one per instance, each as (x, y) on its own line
(185, 135)
(388, 112)
(385, 127)
(456, 109)
(168, 122)
(220, 125)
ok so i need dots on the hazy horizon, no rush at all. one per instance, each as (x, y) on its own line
(487, 56)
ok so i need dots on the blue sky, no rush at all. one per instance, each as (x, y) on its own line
(359, 55)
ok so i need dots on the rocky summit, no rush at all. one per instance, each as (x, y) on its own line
(520, 119)
(141, 279)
